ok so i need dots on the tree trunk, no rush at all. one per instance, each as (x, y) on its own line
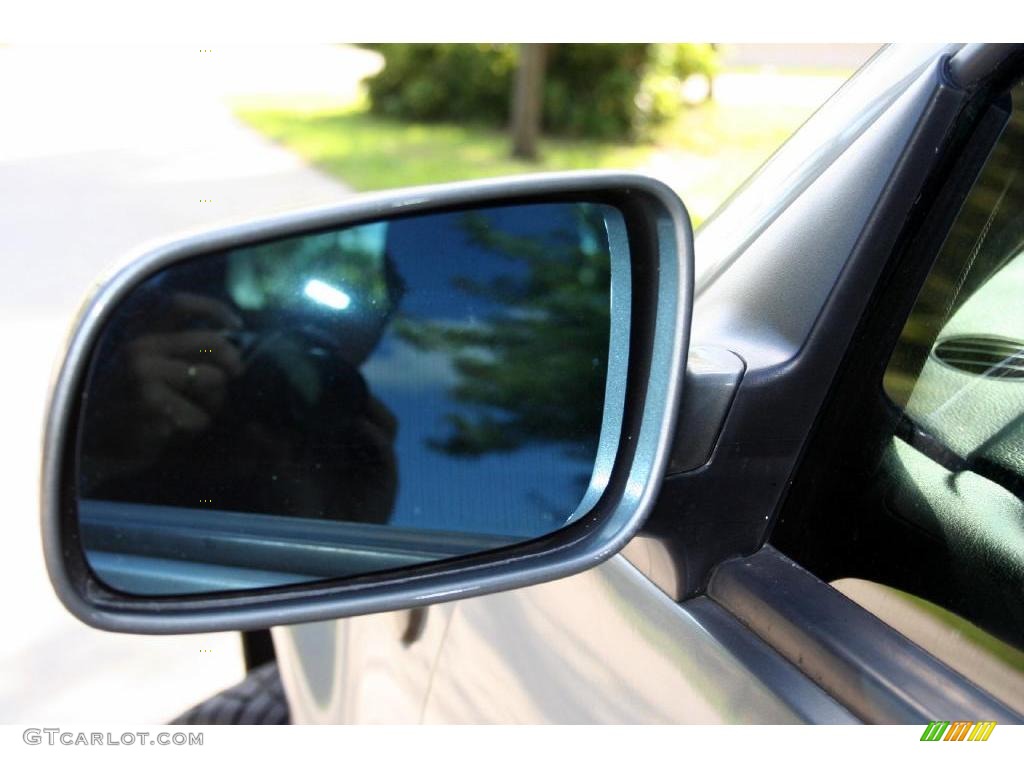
(528, 101)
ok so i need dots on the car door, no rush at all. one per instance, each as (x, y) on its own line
(367, 669)
(610, 646)
(712, 613)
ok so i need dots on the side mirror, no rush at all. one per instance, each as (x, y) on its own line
(404, 399)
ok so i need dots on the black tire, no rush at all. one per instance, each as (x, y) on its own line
(257, 700)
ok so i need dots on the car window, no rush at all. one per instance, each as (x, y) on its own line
(745, 214)
(917, 503)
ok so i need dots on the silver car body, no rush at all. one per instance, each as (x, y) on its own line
(616, 644)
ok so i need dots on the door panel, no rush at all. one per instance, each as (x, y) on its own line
(367, 669)
(607, 646)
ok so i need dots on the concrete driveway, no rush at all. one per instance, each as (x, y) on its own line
(101, 151)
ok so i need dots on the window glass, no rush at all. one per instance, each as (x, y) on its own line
(911, 499)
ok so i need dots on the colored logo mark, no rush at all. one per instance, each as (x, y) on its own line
(958, 730)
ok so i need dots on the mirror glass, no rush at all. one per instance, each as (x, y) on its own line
(355, 400)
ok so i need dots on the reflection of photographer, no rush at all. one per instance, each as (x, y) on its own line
(259, 408)
(167, 380)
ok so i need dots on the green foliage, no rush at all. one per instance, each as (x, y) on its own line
(534, 371)
(668, 65)
(603, 90)
(448, 81)
(590, 89)
(685, 59)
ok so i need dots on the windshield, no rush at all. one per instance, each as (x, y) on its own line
(825, 135)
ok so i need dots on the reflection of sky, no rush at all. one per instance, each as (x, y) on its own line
(525, 492)
(430, 251)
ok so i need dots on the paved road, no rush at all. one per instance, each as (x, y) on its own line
(101, 151)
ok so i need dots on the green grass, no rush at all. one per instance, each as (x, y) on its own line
(704, 155)
(369, 152)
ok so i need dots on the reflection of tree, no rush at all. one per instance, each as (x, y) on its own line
(275, 274)
(534, 371)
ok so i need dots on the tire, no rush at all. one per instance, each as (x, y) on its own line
(258, 700)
